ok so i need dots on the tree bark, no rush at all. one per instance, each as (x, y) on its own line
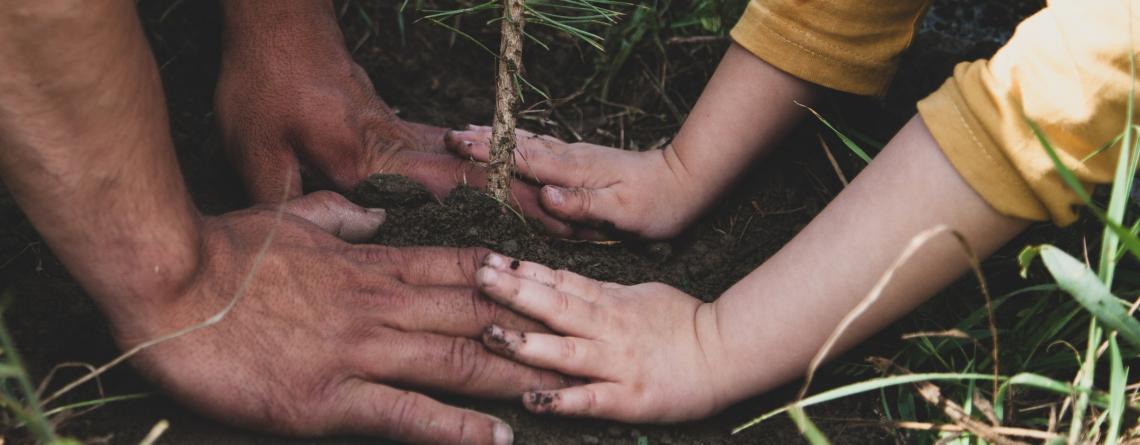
(503, 141)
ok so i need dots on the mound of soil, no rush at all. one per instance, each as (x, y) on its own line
(703, 264)
(721, 249)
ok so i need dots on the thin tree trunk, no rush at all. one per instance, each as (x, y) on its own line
(503, 141)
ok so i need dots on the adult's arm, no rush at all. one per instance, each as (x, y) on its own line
(87, 154)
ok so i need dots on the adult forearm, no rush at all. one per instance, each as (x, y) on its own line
(776, 319)
(86, 151)
(744, 111)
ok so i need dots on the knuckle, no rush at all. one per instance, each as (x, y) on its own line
(469, 261)
(483, 311)
(585, 201)
(560, 277)
(590, 400)
(402, 413)
(567, 349)
(465, 358)
(561, 303)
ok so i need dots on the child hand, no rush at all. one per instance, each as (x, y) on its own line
(649, 194)
(650, 353)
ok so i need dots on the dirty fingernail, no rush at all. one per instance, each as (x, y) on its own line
(541, 401)
(495, 260)
(499, 340)
(503, 434)
(555, 195)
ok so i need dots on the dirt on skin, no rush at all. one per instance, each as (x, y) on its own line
(431, 76)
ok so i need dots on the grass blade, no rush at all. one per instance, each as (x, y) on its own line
(861, 387)
(1086, 288)
(851, 145)
(1131, 243)
(807, 428)
(1118, 381)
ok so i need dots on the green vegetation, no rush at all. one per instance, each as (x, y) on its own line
(1095, 401)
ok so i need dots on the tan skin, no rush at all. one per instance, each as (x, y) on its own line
(292, 104)
(653, 353)
(326, 334)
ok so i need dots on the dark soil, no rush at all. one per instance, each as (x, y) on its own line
(429, 75)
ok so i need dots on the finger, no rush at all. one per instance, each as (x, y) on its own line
(559, 310)
(422, 266)
(592, 206)
(454, 139)
(377, 410)
(453, 311)
(431, 138)
(273, 177)
(592, 400)
(450, 364)
(568, 355)
(442, 173)
(562, 280)
(337, 215)
(541, 159)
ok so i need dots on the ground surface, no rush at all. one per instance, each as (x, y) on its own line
(433, 77)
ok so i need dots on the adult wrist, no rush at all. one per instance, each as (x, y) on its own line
(139, 304)
(282, 25)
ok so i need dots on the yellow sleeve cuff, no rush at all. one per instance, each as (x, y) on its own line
(846, 45)
(1077, 96)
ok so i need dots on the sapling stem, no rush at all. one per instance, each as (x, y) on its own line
(503, 141)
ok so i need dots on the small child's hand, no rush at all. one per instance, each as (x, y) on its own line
(649, 194)
(650, 353)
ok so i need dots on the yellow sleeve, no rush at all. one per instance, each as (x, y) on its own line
(1067, 69)
(846, 45)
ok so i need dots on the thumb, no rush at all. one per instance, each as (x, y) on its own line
(337, 216)
(595, 207)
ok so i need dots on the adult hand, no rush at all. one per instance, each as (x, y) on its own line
(324, 332)
(291, 102)
(649, 194)
(652, 353)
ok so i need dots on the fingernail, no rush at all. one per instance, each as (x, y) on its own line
(503, 434)
(486, 276)
(555, 195)
(380, 212)
(541, 401)
(495, 260)
(502, 341)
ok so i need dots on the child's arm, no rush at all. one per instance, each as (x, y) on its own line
(655, 354)
(745, 108)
